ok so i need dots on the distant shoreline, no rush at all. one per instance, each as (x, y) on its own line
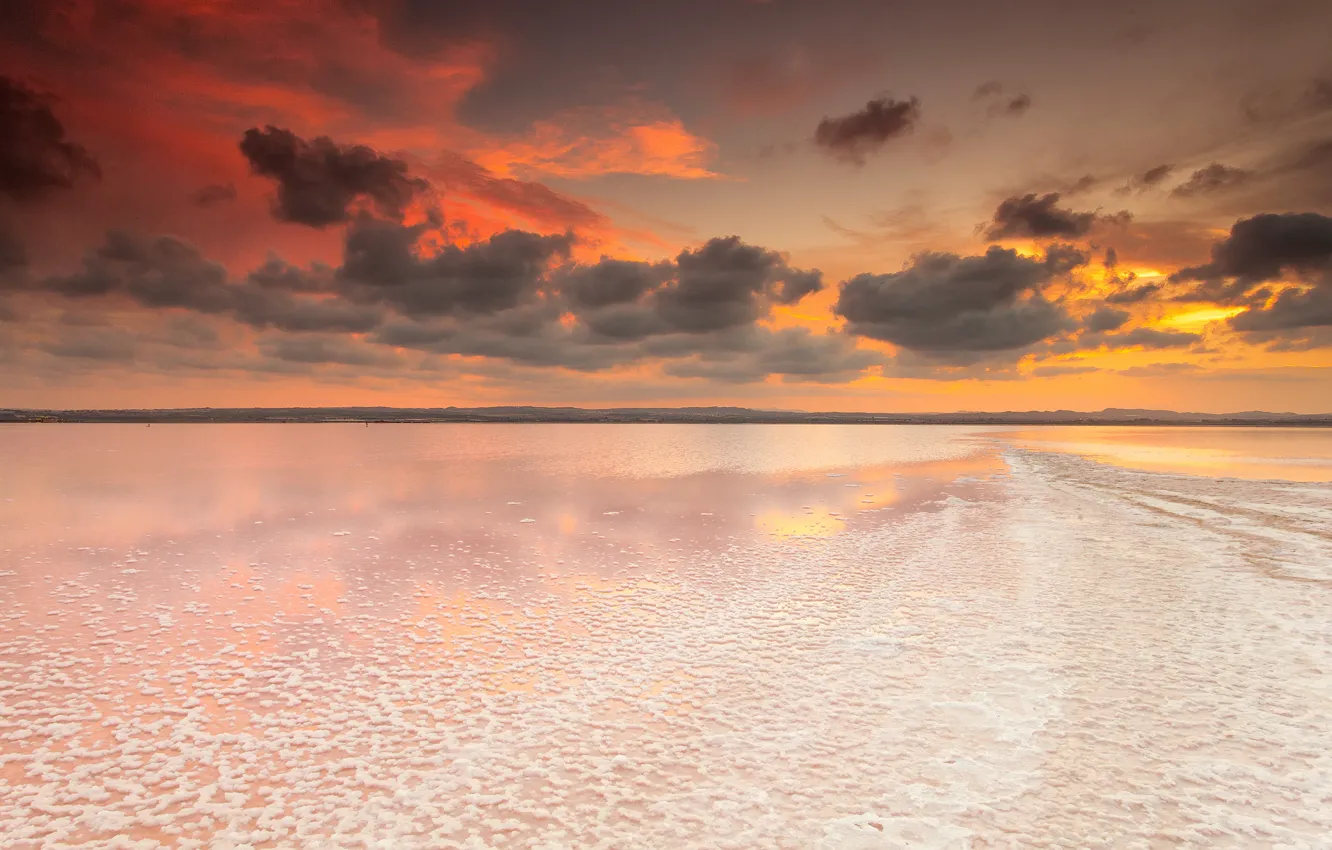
(682, 416)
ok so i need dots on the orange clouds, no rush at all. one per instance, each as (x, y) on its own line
(633, 138)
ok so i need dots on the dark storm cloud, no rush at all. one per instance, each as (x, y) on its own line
(703, 304)
(1040, 217)
(1105, 319)
(945, 303)
(1292, 309)
(1265, 248)
(261, 309)
(514, 296)
(166, 272)
(382, 265)
(213, 194)
(35, 156)
(1212, 178)
(1062, 259)
(319, 180)
(720, 285)
(276, 273)
(161, 272)
(1261, 248)
(854, 136)
(612, 282)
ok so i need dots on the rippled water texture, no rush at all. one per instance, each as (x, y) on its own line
(1291, 454)
(550, 636)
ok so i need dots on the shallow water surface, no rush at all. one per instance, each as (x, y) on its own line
(432, 636)
(1292, 454)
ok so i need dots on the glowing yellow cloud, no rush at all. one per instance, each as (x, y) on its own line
(1200, 317)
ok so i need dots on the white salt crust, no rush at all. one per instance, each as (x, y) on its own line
(1063, 655)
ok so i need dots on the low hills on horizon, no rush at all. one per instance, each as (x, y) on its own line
(682, 415)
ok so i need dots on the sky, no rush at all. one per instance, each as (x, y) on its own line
(784, 204)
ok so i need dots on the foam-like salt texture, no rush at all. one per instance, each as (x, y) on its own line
(1067, 654)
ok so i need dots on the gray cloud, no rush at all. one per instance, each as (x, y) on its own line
(1105, 319)
(318, 180)
(946, 304)
(166, 272)
(723, 283)
(1017, 105)
(1040, 217)
(1212, 178)
(1133, 294)
(35, 156)
(188, 332)
(1140, 337)
(329, 350)
(1146, 180)
(514, 296)
(106, 344)
(383, 266)
(854, 136)
(1291, 309)
(1261, 249)
(612, 282)
(1152, 338)
(160, 272)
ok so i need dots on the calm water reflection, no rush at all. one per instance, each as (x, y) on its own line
(469, 636)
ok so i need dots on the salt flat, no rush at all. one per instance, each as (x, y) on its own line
(653, 636)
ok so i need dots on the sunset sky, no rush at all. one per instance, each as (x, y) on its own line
(833, 205)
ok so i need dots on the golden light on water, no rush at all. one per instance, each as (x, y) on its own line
(814, 522)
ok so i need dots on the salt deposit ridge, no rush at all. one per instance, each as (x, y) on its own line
(617, 637)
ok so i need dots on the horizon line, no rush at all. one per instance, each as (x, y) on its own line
(1124, 411)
